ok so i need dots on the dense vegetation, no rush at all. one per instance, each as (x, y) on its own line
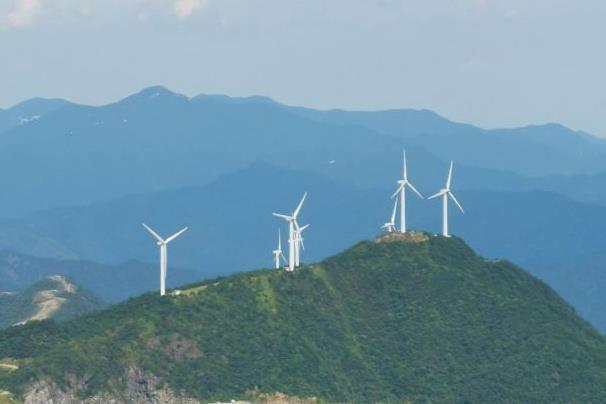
(425, 322)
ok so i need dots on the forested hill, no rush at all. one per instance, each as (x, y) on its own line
(420, 319)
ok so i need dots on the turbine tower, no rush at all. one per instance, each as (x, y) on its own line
(163, 254)
(446, 193)
(292, 233)
(391, 225)
(402, 184)
(278, 255)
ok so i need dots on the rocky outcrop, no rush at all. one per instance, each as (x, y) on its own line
(140, 389)
(410, 237)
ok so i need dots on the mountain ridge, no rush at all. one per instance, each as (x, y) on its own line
(424, 321)
(197, 140)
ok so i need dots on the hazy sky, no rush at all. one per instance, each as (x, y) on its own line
(488, 62)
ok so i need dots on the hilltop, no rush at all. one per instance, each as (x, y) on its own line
(422, 321)
(55, 297)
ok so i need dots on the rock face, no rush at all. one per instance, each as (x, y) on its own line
(140, 389)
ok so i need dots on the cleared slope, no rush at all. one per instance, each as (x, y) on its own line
(53, 297)
(427, 321)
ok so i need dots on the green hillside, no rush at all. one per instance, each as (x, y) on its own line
(423, 320)
(55, 297)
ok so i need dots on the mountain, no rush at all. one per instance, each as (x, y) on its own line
(112, 283)
(158, 140)
(53, 297)
(535, 150)
(397, 319)
(28, 111)
(231, 229)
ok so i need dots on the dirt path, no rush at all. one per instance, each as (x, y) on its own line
(65, 285)
(48, 304)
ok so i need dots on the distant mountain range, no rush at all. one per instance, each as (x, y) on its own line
(396, 319)
(79, 180)
(54, 297)
(157, 140)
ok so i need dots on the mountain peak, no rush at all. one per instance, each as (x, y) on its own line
(155, 93)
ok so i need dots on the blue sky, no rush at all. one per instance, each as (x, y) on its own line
(490, 62)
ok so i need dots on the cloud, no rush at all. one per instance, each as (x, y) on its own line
(24, 13)
(185, 8)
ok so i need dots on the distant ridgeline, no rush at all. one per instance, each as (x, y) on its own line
(398, 319)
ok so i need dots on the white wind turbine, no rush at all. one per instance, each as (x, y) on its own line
(163, 254)
(292, 233)
(402, 184)
(445, 193)
(278, 255)
(391, 225)
(299, 245)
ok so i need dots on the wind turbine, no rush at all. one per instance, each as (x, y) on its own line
(402, 184)
(445, 193)
(278, 255)
(292, 233)
(300, 244)
(163, 254)
(391, 225)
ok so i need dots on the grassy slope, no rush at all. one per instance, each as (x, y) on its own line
(425, 322)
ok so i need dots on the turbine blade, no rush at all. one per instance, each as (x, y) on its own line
(393, 213)
(405, 170)
(285, 217)
(436, 195)
(455, 201)
(177, 234)
(153, 233)
(414, 190)
(296, 212)
(397, 191)
(303, 228)
(449, 175)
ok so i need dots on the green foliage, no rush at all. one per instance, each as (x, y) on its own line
(418, 322)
